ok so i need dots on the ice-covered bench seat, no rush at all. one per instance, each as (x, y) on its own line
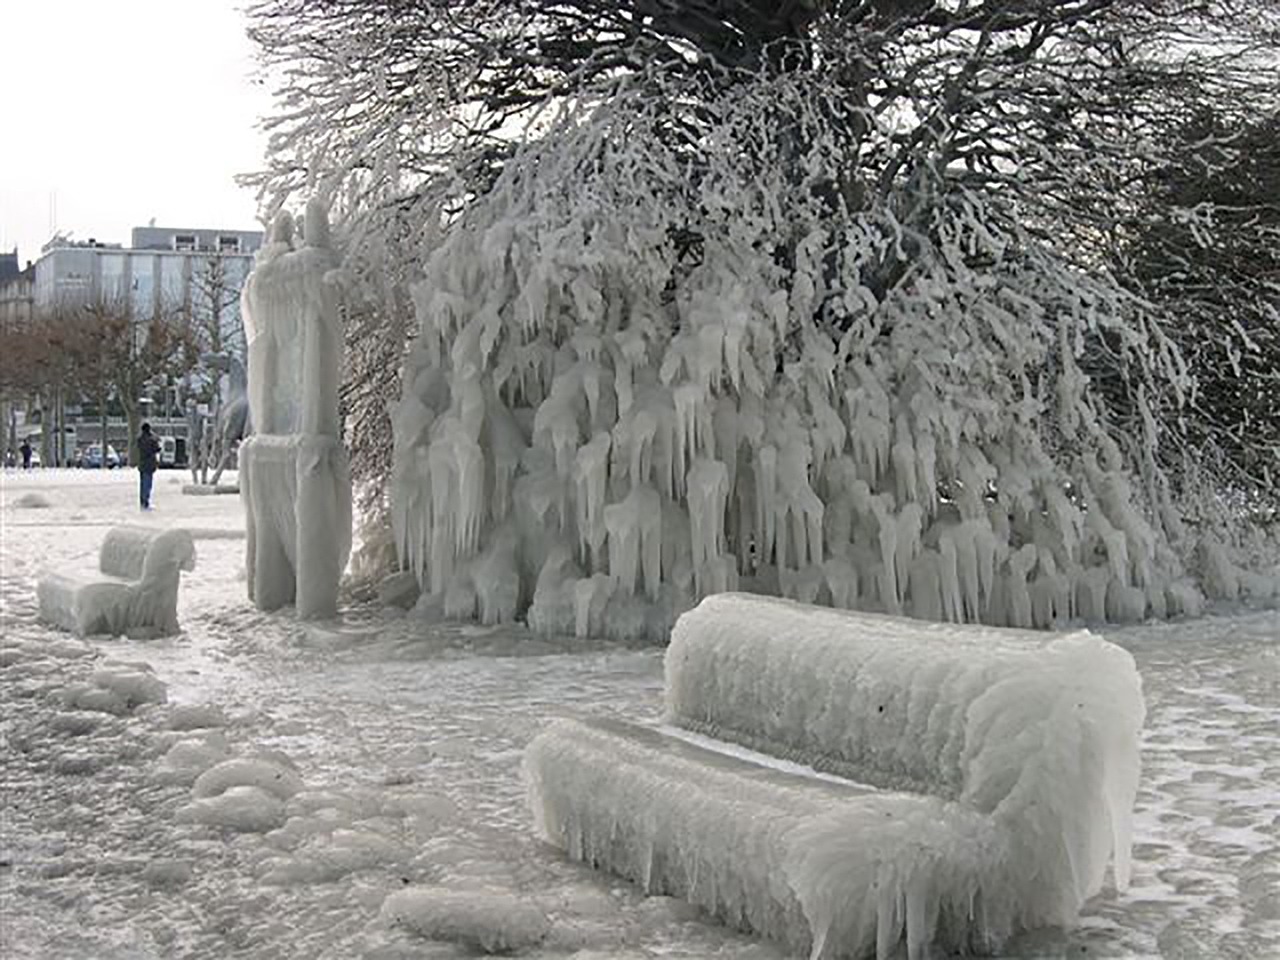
(979, 780)
(135, 591)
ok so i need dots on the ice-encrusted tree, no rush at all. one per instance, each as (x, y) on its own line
(833, 319)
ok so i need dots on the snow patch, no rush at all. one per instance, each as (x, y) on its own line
(487, 921)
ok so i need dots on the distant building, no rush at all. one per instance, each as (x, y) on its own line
(195, 273)
(17, 293)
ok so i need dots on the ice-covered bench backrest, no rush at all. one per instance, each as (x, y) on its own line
(141, 553)
(1040, 731)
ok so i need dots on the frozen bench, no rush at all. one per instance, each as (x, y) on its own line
(977, 781)
(135, 591)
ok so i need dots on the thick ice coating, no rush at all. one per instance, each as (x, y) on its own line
(135, 591)
(294, 475)
(991, 778)
(830, 870)
(1041, 732)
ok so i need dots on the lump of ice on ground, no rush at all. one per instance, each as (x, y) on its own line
(167, 873)
(135, 686)
(273, 778)
(490, 921)
(115, 690)
(345, 851)
(196, 716)
(241, 808)
(75, 723)
(64, 649)
(32, 501)
(187, 759)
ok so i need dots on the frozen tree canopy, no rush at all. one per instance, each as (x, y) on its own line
(651, 368)
(295, 481)
(990, 778)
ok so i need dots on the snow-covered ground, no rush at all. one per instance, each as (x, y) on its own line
(406, 739)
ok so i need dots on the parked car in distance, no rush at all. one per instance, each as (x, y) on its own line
(92, 459)
(168, 456)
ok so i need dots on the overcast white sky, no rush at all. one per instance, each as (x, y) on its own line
(124, 111)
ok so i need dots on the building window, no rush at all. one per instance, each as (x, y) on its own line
(184, 241)
(228, 244)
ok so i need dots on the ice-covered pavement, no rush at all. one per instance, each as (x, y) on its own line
(384, 801)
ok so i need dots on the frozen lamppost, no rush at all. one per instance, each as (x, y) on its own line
(294, 476)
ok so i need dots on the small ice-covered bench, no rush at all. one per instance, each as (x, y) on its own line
(135, 591)
(848, 784)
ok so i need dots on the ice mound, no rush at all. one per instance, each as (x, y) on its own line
(487, 921)
(118, 690)
(167, 873)
(241, 808)
(272, 778)
(991, 778)
(135, 686)
(196, 717)
(188, 758)
(346, 851)
(32, 501)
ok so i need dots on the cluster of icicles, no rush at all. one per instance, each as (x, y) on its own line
(602, 478)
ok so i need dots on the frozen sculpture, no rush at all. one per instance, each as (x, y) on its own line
(294, 476)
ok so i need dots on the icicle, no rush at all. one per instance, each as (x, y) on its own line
(708, 487)
(635, 538)
(591, 474)
(766, 501)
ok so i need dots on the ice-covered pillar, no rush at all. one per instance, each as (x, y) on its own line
(294, 476)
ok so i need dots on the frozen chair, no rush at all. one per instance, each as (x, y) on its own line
(135, 591)
(914, 785)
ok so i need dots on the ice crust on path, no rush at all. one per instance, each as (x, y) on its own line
(1006, 765)
(414, 733)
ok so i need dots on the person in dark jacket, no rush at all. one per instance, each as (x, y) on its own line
(148, 460)
(26, 453)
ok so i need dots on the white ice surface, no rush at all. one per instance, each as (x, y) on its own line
(414, 733)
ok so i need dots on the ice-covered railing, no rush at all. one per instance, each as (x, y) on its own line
(989, 781)
(135, 591)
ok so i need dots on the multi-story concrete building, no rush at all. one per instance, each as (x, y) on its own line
(193, 273)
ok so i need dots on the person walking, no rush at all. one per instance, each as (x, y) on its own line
(26, 453)
(148, 460)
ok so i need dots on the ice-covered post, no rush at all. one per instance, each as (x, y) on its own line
(295, 481)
